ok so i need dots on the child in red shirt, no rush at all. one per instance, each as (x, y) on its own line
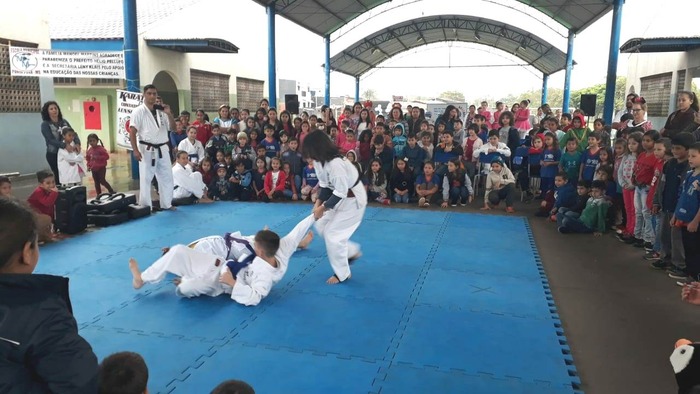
(43, 202)
(642, 177)
(97, 157)
(274, 181)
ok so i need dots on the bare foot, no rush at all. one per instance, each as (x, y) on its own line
(306, 241)
(333, 280)
(352, 259)
(205, 200)
(134, 268)
(165, 250)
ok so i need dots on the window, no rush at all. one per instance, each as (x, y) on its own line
(61, 81)
(249, 92)
(303, 93)
(656, 90)
(209, 90)
(17, 94)
(116, 82)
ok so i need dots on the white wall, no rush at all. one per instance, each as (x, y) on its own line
(23, 147)
(642, 65)
(247, 32)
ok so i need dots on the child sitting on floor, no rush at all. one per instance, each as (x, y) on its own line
(43, 202)
(401, 181)
(274, 181)
(220, 188)
(456, 185)
(309, 186)
(376, 178)
(500, 185)
(564, 196)
(241, 182)
(188, 183)
(427, 185)
(259, 178)
(583, 190)
(592, 219)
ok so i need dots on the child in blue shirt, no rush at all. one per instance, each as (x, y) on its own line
(549, 165)
(399, 140)
(309, 185)
(242, 181)
(272, 146)
(414, 154)
(687, 214)
(590, 158)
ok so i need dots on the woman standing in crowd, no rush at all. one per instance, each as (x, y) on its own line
(340, 205)
(639, 114)
(225, 120)
(52, 130)
(682, 119)
(448, 117)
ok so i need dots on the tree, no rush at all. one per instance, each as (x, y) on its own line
(453, 95)
(369, 94)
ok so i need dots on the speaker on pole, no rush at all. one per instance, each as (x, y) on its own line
(588, 104)
(291, 103)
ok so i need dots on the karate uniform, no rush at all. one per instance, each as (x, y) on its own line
(200, 270)
(152, 134)
(187, 182)
(339, 223)
(194, 151)
(71, 167)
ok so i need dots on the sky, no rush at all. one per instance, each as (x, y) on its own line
(300, 53)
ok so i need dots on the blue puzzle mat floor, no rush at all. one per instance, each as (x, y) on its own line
(440, 302)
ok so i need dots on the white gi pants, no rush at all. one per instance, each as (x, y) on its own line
(336, 227)
(194, 186)
(290, 242)
(198, 271)
(162, 171)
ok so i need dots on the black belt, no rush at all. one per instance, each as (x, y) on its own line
(154, 146)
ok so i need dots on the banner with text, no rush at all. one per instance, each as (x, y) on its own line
(126, 103)
(34, 62)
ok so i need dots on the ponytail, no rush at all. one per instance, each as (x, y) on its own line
(94, 136)
(695, 106)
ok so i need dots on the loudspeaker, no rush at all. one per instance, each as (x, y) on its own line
(588, 104)
(291, 103)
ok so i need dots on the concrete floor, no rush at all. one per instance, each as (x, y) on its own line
(621, 317)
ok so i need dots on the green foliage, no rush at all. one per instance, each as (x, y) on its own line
(369, 94)
(555, 96)
(452, 95)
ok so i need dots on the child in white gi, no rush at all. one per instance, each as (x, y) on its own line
(71, 165)
(187, 182)
(192, 146)
(259, 262)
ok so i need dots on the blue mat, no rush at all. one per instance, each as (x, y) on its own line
(440, 302)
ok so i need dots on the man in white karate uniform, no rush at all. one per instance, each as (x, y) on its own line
(258, 263)
(148, 135)
(187, 182)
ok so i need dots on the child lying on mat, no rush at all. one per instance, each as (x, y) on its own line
(247, 270)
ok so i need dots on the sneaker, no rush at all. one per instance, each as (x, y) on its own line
(421, 202)
(625, 238)
(453, 205)
(563, 230)
(462, 204)
(510, 210)
(651, 255)
(685, 281)
(677, 273)
(648, 246)
(660, 265)
(638, 243)
(386, 201)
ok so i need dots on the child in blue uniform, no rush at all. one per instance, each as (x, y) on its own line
(687, 214)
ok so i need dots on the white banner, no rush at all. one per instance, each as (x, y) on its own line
(34, 62)
(126, 103)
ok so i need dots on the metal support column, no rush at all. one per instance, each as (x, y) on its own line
(357, 89)
(327, 70)
(131, 61)
(609, 108)
(271, 61)
(569, 67)
(545, 81)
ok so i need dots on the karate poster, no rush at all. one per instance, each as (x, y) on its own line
(126, 103)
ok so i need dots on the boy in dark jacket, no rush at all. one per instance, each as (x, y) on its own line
(564, 196)
(583, 190)
(40, 349)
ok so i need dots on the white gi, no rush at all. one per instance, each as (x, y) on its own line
(187, 182)
(71, 167)
(194, 151)
(199, 272)
(339, 223)
(155, 158)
